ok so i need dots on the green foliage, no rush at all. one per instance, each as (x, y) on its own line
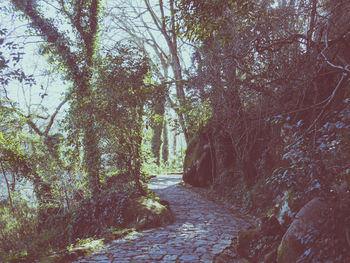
(198, 114)
(13, 157)
(315, 164)
(17, 228)
(176, 162)
(93, 216)
(121, 97)
(22, 237)
(149, 166)
(204, 19)
(108, 99)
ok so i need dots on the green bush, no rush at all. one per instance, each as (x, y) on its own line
(17, 228)
(92, 217)
(24, 236)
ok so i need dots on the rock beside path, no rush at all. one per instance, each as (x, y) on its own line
(201, 229)
(311, 216)
(143, 213)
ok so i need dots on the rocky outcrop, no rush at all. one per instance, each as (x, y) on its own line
(212, 159)
(310, 217)
(198, 165)
(143, 212)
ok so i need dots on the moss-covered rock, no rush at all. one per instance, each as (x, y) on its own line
(144, 212)
(114, 234)
(192, 152)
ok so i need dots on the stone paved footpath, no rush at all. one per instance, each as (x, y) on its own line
(201, 230)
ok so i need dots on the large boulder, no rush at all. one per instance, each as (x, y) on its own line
(198, 162)
(310, 217)
(144, 212)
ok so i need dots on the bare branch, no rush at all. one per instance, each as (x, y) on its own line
(328, 102)
(53, 116)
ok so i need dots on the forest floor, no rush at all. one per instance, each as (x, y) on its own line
(202, 228)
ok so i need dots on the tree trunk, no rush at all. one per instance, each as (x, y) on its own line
(86, 119)
(7, 185)
(157, 127)
(174, 144)
(92, 158)
(165, 148)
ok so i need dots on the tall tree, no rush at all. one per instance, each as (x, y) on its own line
(78, 63)
(157, 120)
(154, 28)
(170, 33)
(122, 98)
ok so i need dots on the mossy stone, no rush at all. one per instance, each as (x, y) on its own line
(143, 212)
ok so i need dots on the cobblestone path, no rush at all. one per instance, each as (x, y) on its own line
(201, 230)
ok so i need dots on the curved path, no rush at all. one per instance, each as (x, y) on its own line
(201, 230)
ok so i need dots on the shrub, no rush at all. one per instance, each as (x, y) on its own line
(17, 228)
(91, 216)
